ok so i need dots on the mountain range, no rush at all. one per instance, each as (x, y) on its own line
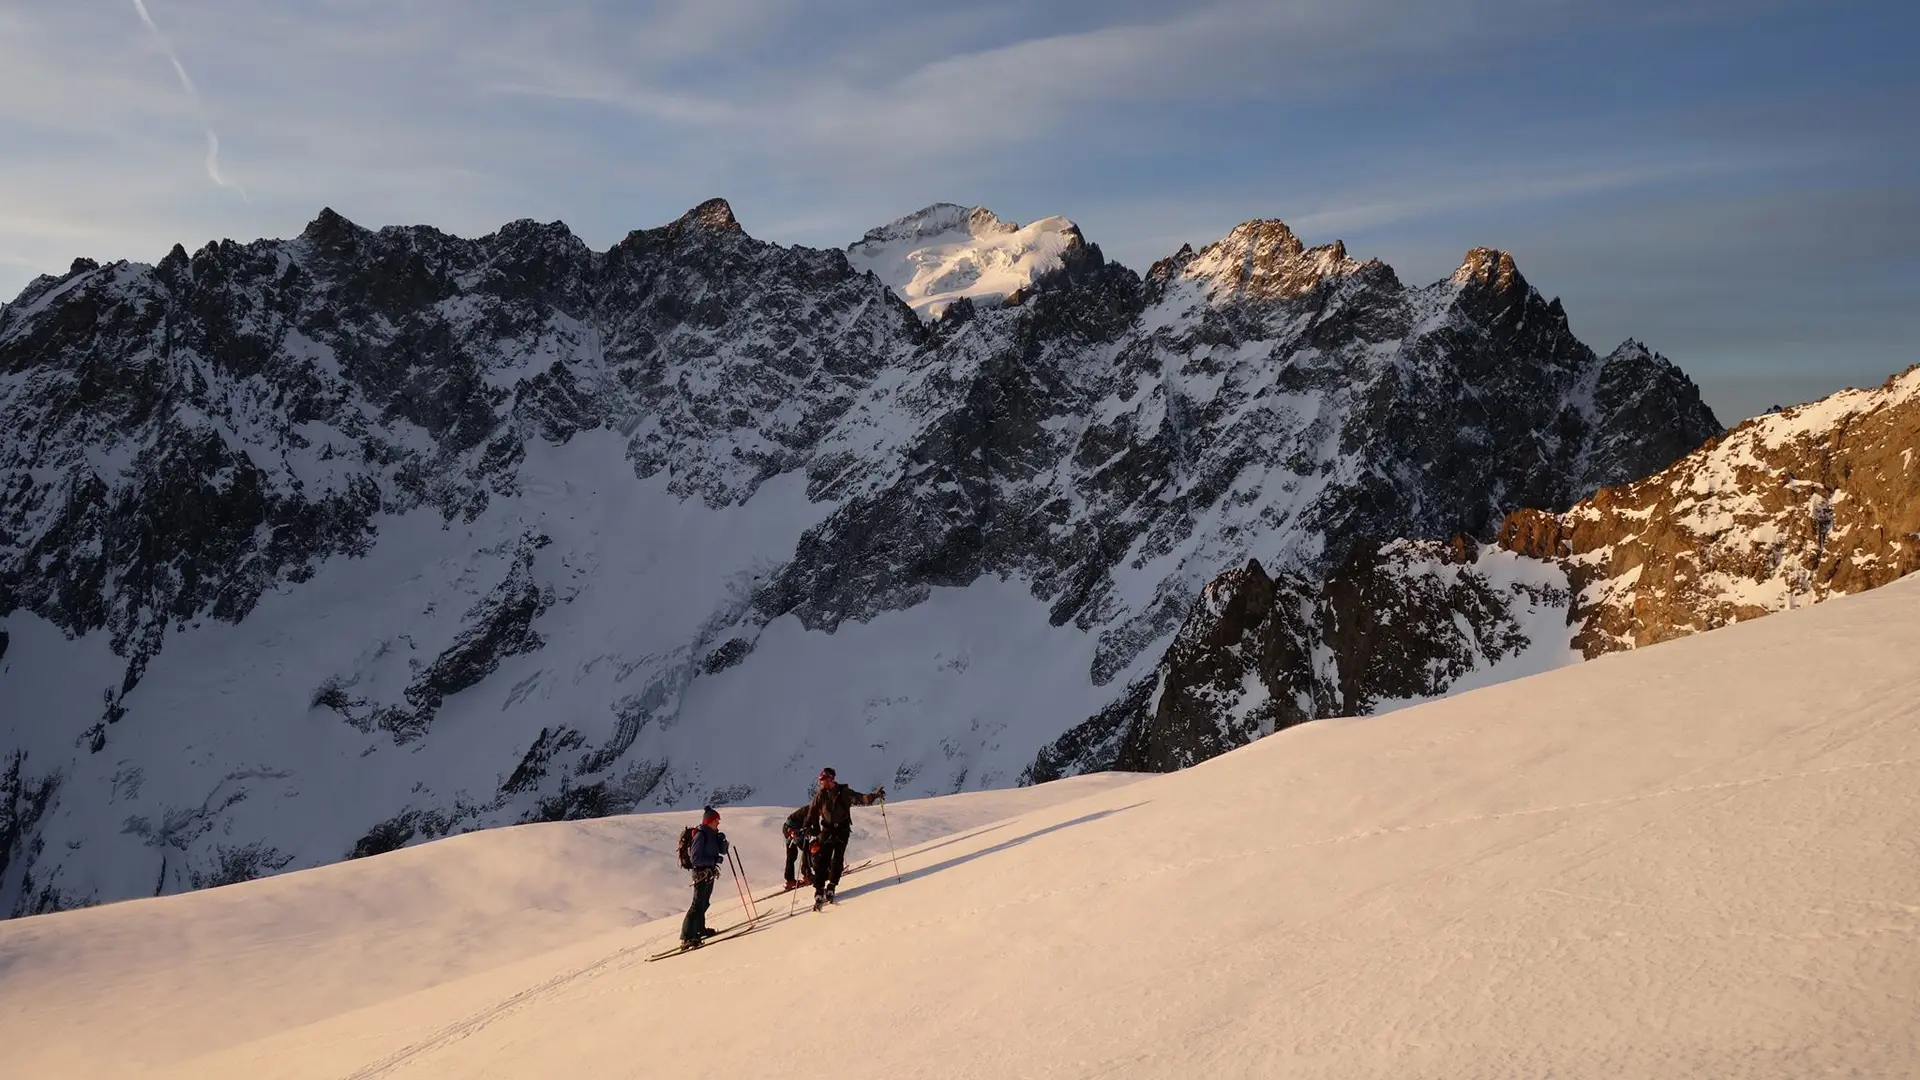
(314, 548)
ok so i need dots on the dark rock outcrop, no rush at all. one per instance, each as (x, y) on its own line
(1794, 507)
(1260, 653)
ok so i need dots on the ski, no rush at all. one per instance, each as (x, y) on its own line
(734, 932)
(784, 891)
(748, 926)
(739, 930)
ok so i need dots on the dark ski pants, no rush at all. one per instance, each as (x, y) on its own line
(830, 859)
(794, 850)
(696, 919)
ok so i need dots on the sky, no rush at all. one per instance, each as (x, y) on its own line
(1734, 182)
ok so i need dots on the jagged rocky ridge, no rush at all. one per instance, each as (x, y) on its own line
(1792, 508)
(321, 546)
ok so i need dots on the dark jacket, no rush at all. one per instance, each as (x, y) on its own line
(796, 822)
(709, 847)
(832, 808)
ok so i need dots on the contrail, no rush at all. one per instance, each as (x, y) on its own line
(193, 95)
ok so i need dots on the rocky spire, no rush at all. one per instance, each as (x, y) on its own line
(712, 214)
(1489, 267)
(1259, 260)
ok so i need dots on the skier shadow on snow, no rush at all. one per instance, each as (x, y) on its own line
(961, 839)
(1003, 845)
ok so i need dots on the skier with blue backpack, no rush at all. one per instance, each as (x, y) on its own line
(701, 850)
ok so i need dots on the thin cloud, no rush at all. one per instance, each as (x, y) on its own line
(193, 95)
(1444, 196)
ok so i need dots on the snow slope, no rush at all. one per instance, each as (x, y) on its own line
(250, 960)
(1694, 860)
(945, 252)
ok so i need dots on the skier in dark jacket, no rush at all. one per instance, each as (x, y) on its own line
(799, 842)
(709, 847)
(830, 816)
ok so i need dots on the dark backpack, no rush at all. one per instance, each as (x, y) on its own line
(686, 847)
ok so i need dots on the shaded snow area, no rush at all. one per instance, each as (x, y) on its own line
(633, 587)
(1694, 860)
(1533, 637)
(945, 252)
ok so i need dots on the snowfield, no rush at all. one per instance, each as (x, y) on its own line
(945, 253)
(1700, 859)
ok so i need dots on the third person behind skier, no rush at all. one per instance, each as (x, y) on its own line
(830, 818)
(799, 847)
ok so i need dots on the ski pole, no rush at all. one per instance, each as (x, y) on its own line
(745, 904)
(890, 850)
(742, 861)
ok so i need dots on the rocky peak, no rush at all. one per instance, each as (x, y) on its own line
(1489, 267)
(1164, 271)
(715, 214)
(933, 221)
(984, 222)
(331, 233)
(528, 233)
(1262, 260)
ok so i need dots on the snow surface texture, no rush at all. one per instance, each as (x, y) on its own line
(945, 253)
(318, 547)
(1695, 860)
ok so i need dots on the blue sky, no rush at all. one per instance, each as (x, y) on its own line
(1735, 183)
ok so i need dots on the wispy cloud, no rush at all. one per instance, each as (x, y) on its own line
(193, 95)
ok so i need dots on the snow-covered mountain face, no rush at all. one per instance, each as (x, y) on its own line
(1792, 508)
(318, 547)
(939, 256)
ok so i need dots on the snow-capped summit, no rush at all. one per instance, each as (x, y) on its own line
(935, 256)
